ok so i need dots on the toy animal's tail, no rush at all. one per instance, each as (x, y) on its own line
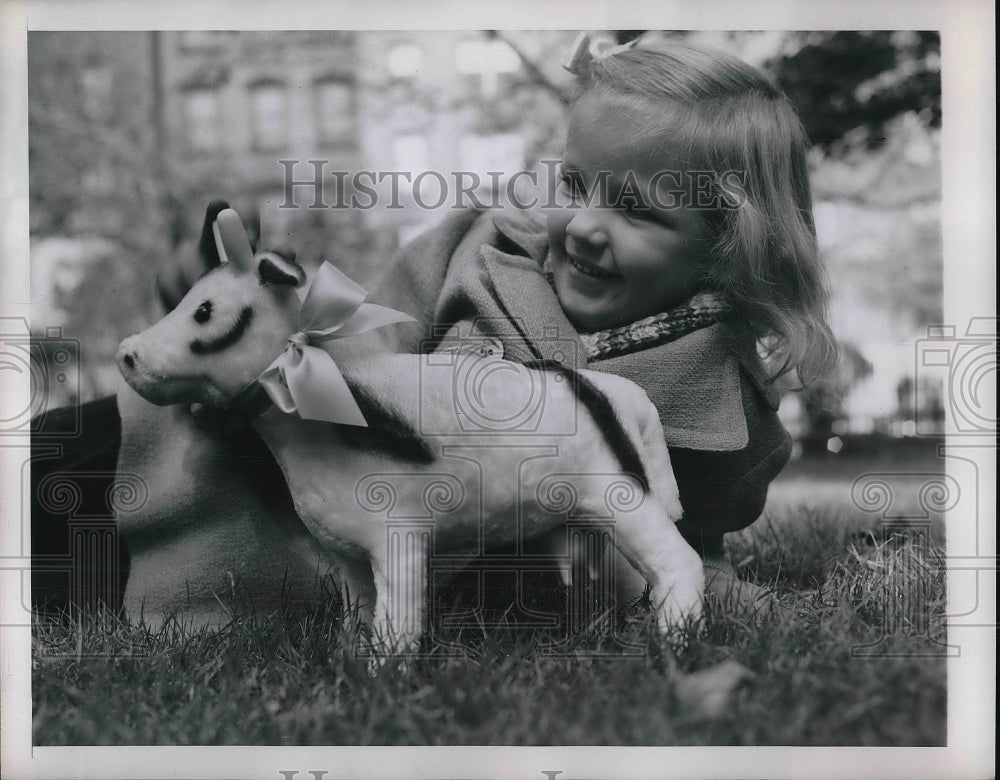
(605, 417)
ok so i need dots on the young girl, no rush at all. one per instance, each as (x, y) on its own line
(679, 244)
(745, 253)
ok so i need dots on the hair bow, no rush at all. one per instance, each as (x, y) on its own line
(304, 378)
(585, 53)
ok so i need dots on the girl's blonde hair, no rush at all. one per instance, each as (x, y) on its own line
(724, 116)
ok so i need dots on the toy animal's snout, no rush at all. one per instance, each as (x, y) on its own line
(148, 371)
(128, 356)
(128, 359)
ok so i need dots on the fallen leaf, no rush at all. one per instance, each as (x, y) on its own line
(706, 694)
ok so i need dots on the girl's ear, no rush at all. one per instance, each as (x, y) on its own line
(280, 268)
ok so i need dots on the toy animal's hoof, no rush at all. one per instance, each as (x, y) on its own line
(378, 663)
(679, 610)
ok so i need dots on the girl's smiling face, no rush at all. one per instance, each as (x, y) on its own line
(615, 257)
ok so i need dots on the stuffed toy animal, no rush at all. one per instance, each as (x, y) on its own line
(247, 338)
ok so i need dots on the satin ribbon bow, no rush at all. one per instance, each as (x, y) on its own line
(585, 53)
(304, 379)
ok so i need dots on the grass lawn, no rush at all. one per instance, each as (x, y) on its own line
(853, 657)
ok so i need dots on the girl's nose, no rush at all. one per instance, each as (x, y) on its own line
(587, 227)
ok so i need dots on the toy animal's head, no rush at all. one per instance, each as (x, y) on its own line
(228, 328)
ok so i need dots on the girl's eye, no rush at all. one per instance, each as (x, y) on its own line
(635, 210)
(203, 313)
(573, 182)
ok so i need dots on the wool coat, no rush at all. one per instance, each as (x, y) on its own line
(212, 527)
(719, 412)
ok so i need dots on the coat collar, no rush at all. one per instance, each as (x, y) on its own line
(531, 304)
(693, 381)
(525, 231)
(514, 269)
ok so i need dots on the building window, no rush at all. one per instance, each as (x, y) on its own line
(201, 108)
(410, 115)
(275, 222)
(205, 41)
(405, 60)
(411, 153)
(334, 101)
(269, 115)
(96, 83)
(486, 62)
(98, 177)
(499, 152)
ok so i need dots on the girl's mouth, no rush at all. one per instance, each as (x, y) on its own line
(589, 269)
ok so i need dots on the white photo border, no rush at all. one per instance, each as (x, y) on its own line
(968, 223)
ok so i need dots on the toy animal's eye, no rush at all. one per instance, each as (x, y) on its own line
(203, 313)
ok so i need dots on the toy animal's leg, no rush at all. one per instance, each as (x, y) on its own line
(653, 545)
(656, 458)
(401, 586)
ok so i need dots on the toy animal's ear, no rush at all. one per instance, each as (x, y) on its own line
(231, 241)
(207, 249)
(174, 280)
(252, 224)
(279, 267)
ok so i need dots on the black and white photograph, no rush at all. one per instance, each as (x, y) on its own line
(521, 399)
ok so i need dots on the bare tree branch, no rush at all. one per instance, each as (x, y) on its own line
(534, 72)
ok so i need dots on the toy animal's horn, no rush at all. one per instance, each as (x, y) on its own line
(231, 240)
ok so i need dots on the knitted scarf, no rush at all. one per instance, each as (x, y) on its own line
(698, 312)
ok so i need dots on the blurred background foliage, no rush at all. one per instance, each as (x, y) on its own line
(131, 134)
